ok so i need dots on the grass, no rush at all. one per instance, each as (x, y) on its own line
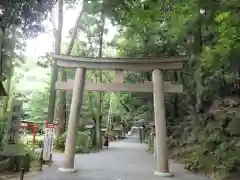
(29, 137)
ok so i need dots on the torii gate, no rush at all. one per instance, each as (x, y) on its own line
(157, 86)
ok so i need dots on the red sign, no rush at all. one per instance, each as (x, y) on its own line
(50, 125)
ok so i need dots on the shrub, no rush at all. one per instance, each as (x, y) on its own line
(83, 144)
(4, 164)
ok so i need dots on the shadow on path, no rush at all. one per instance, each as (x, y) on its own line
(124, 160)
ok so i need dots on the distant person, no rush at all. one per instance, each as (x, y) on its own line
(106, 141)
(40, 131)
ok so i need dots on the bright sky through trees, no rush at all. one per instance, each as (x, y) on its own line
(44, 42)
(36, 77)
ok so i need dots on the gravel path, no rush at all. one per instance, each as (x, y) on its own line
(124, 160)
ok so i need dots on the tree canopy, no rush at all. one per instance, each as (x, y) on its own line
(205, 31)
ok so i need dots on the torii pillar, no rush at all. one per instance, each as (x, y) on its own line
(77, 99)
(162, 168)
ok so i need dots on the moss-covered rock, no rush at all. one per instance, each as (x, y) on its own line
(234, 127)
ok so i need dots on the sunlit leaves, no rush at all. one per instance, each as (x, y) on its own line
(222, 16)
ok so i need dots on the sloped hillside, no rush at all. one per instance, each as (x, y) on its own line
(211, 145)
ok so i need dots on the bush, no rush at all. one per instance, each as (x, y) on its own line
(4, 164)
(83, 145)
(209, 149)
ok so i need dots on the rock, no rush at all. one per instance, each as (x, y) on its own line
(216, 105)
(234, 127)
(231, 101)
(236, 111)
(220, 113)
(226, 103)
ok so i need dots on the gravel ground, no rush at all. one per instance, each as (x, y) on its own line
(124, 160)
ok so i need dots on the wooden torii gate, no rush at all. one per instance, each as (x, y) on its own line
(157, 86)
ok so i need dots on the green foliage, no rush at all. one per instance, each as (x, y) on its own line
(208, 148)
(4, 164)
(37, 105)
(28, 15)
(222, 158)
(83, 144)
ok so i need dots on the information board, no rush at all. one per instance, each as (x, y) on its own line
(48, 141)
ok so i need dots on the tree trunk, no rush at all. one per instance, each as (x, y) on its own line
(10, 72)
(99, 118)
(62, 111)
(8, 90)
(57, 49)
(175, 97)
(2, 35)
(90, 101)
(98, 121)
(197, 38)
(109, 121)
(58, 42)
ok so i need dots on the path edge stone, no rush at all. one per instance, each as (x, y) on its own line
(161, 174)
(66, 170)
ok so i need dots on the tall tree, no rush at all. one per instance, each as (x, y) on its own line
(9, 74)
(100, 52)
(62, 107)
(57, 30)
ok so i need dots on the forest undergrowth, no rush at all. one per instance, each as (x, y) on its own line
(212, 145)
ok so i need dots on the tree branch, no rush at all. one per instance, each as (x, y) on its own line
(74, 34)
(54, 27)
